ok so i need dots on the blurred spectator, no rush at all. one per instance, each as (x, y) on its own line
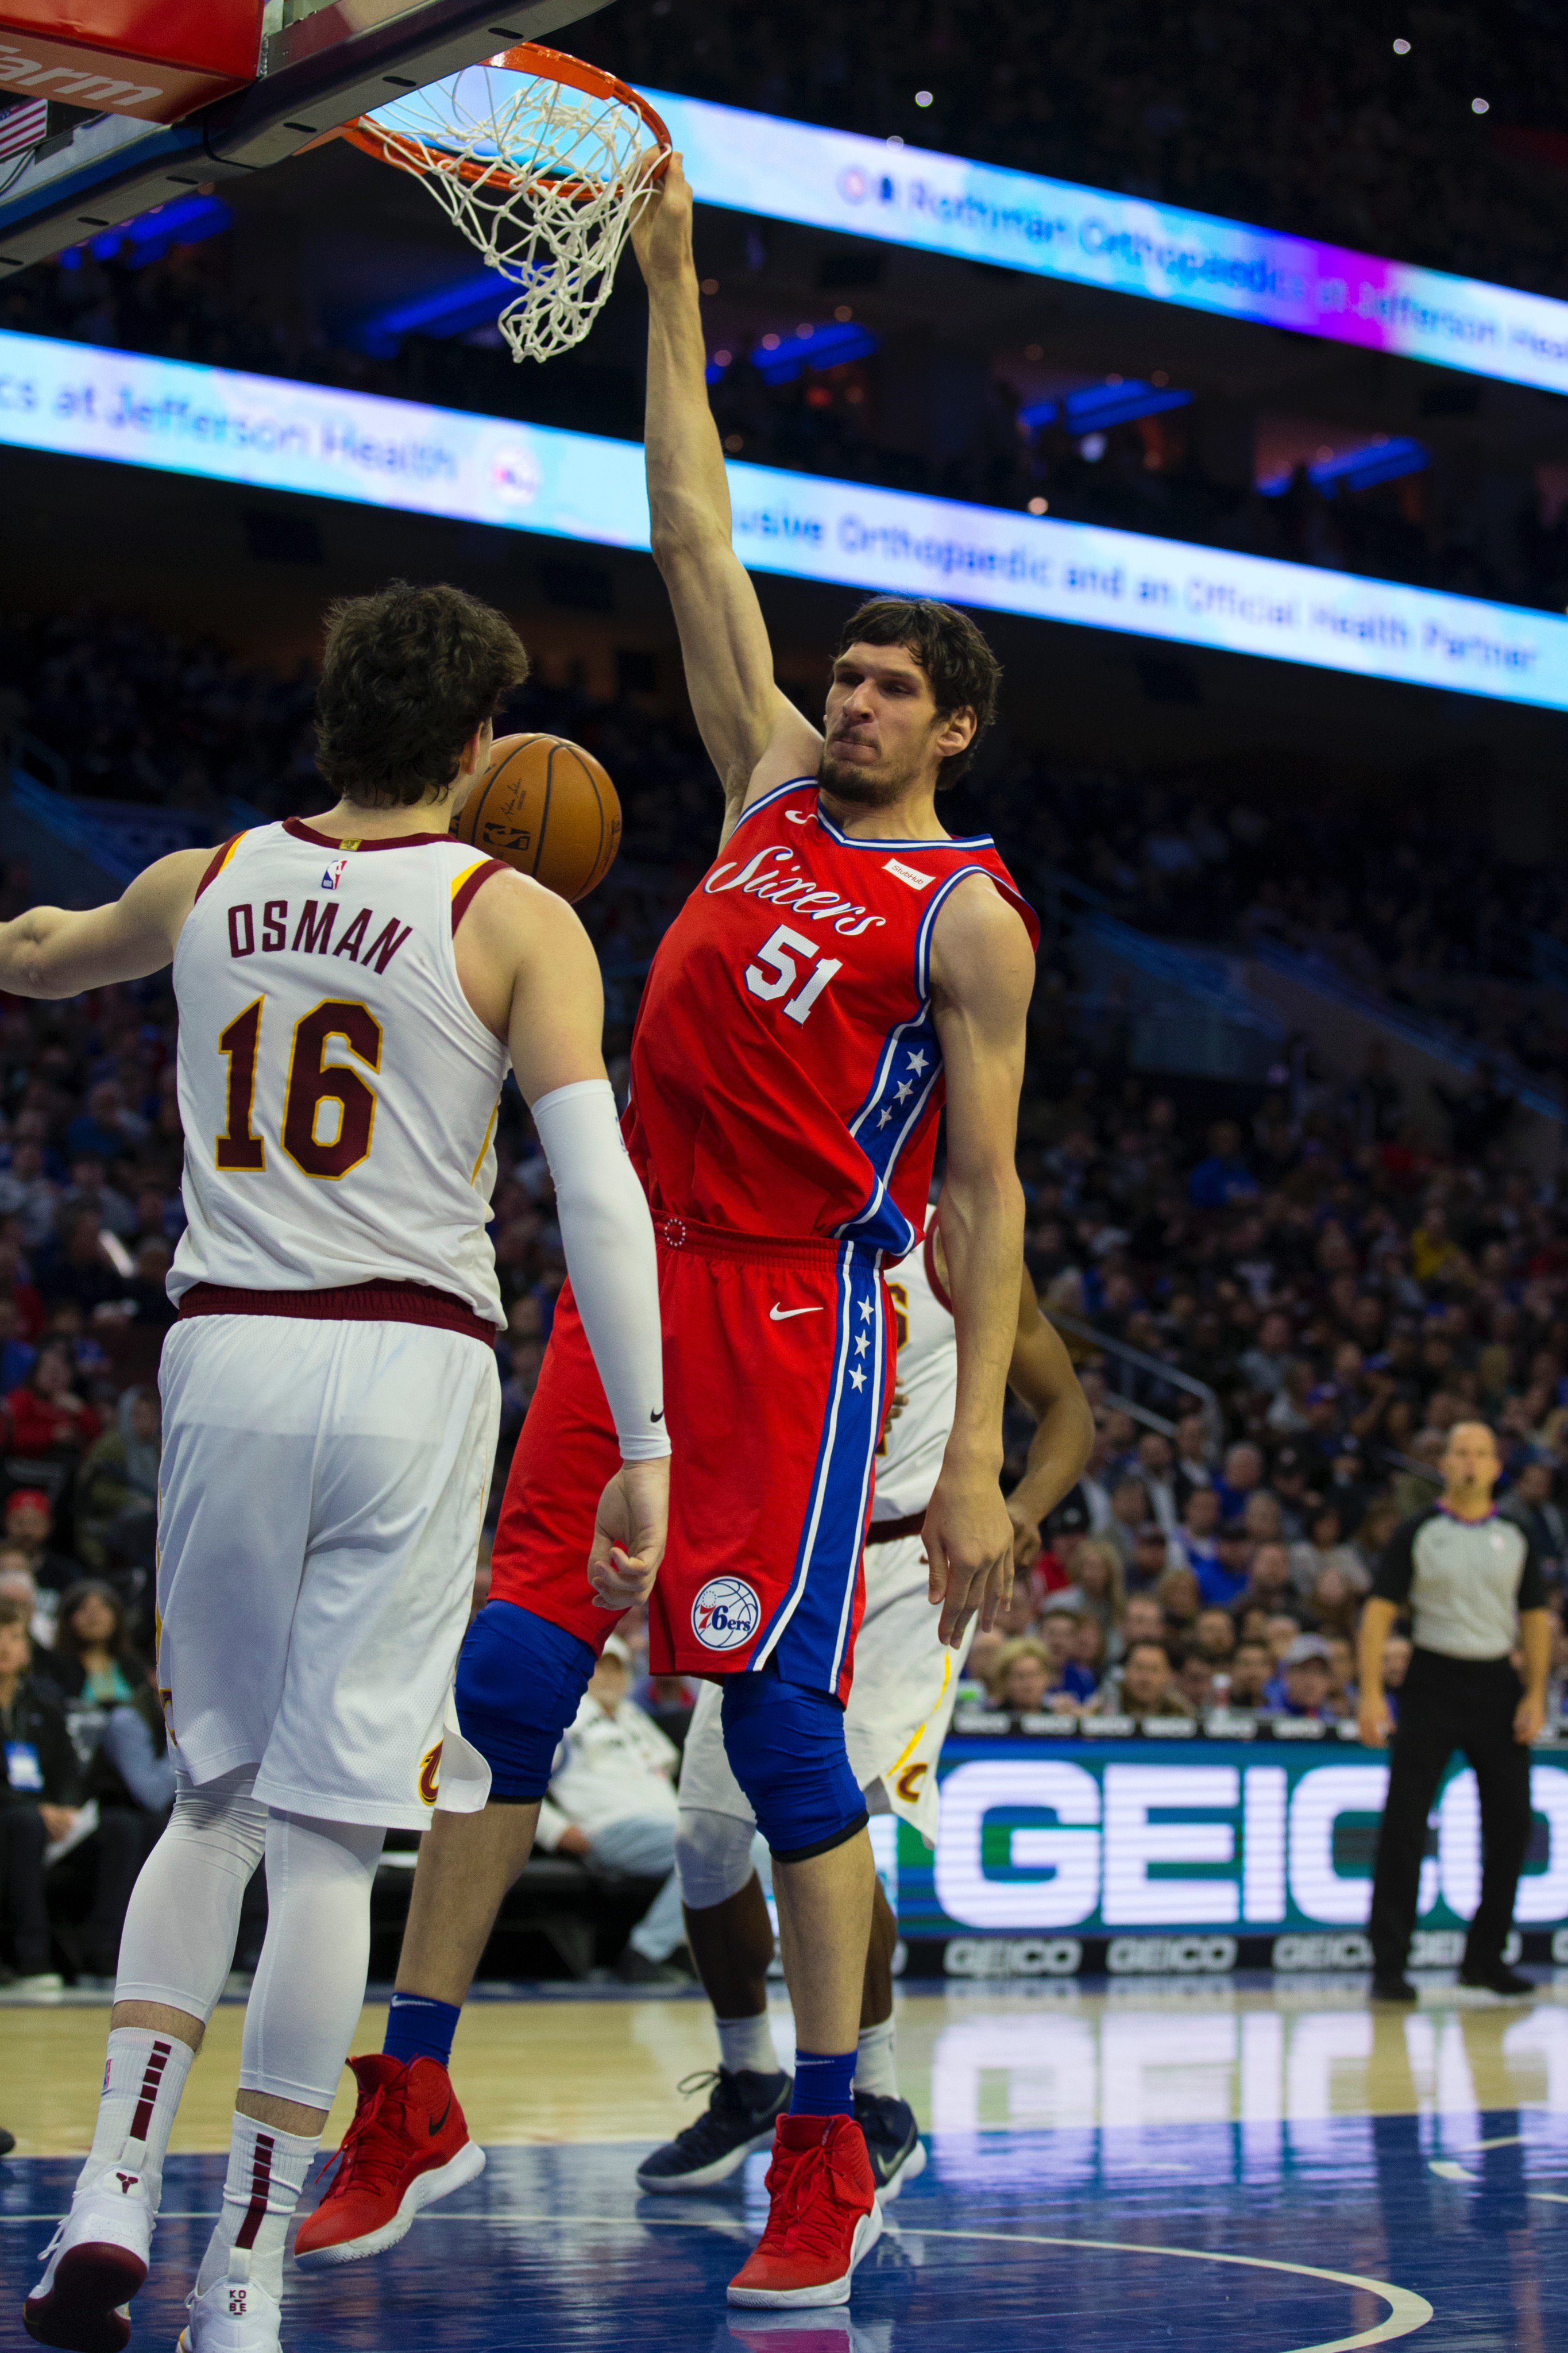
(1099, 1588)
(1224, 1581)
(1270, 1585)
(1146, 1685)
(1223, 1179)
(116, 1493)
(1251, 1672)
(1304, 1680)
(37, 1802)
(1151, 1557)
(1178, 1596)
(1240, 1479)
(50, 1420)
(1214, 1636)
(29, 1525)
(1531, 1501)
(94, 1660)
(1324, 1548)
(612, 1802)
(1197, 1537)
(1024, 1672)
(1195, 1682)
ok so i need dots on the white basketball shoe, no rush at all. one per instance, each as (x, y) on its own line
(93, 2266)
(235, 2315)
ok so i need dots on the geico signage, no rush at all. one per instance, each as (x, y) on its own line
(1031, 1844)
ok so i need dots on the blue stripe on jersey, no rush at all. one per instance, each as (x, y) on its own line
(885, 841)
(907, 1067)
(766, 800)
(810, 1629)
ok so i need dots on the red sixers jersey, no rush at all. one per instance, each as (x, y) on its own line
(786, 1077)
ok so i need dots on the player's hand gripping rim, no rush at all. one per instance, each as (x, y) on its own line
(628, 1535)
(968, 1538)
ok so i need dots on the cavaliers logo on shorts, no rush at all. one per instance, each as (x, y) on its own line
(430, 1775)
(725, 1614)
(909, 1782)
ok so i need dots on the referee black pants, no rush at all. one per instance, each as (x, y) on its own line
(1447, 1703)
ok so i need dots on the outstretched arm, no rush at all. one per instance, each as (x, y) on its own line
(755, 735)
(982, 975)
(1041, 1376)
(58, 951)
(554, 1029)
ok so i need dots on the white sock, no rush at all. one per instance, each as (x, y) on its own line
(875, 2066)
(142, 2079)
(266, 2170)
(747, 2042)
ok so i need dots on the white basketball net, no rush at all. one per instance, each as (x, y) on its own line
(539, 177)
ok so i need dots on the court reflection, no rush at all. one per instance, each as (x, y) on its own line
(1142, 2058)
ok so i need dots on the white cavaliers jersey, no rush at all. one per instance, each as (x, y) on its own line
(338, 1092)
(927, 1373)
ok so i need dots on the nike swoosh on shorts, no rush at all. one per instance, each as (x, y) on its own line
(778, 1315)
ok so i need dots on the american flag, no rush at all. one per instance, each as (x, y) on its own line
(23, 126)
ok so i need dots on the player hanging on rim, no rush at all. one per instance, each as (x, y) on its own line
(843, 961)
(349, 994)
(899, 1707)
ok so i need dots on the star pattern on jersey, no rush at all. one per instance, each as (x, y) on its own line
(865, 1311)
(862, 1344)
(886, 1120)
(904, 1089)
(917, 1061)
(856, 1378)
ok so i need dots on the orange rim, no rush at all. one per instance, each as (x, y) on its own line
(529, 58)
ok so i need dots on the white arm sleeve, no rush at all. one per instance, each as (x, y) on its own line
(608, 1238)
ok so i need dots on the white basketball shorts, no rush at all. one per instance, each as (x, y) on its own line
(323, 1486)
(900, 1706)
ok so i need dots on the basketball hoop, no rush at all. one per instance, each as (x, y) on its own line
(533, 156)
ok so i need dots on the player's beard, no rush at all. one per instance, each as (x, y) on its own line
(862, 787)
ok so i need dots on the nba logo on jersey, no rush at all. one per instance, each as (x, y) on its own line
(333, 876)
(725, 1613)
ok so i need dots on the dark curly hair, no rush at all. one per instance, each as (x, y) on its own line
(965, 673)
(408, 675)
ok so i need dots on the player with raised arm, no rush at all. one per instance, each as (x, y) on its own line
(351, 993)
(900, 1708)
(844, 962)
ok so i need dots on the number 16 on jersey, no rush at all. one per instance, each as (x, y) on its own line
(312, 1083)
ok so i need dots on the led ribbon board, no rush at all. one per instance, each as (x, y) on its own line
(81, 401)
(1092, 1838)
(906, 195)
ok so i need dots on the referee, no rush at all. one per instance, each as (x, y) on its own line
(1473, 1585)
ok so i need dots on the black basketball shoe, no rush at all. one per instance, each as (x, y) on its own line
(739, 2118)
(893, 2142)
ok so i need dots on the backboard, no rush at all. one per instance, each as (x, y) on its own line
(322, 62)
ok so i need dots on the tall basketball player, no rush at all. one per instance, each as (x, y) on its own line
(350, 992)
(901, 1705)
(842, 964)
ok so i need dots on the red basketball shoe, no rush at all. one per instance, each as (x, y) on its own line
(823, 2219)
(406, 2147)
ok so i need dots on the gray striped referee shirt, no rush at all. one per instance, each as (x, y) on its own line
(1464, 1581)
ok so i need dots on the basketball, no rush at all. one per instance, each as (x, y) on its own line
(546, 807)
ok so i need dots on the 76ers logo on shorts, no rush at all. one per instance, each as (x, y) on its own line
(725, 1614)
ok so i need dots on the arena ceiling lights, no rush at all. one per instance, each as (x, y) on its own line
(78, 400)
(906, 195)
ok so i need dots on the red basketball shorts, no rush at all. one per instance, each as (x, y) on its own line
(778, 1366)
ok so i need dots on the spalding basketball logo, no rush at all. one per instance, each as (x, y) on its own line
(909, 1782)
(430, 1776)
(725, 1614)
